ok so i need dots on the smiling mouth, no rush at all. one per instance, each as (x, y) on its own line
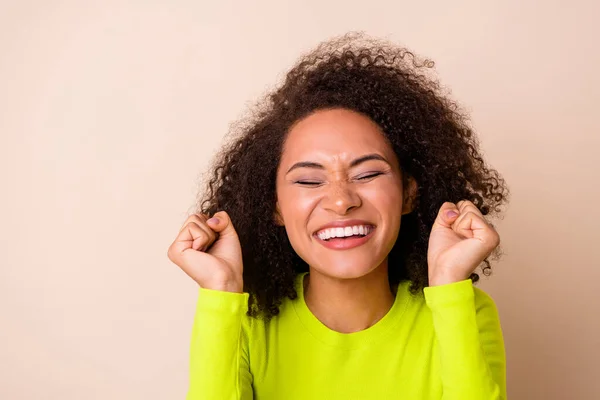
(344, 233)
(347, 239)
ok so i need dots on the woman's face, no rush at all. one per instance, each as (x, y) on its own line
(339, 193)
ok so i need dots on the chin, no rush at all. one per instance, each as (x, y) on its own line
(346, 269)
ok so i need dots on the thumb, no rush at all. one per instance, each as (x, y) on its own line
(221, 223)
(447, 215)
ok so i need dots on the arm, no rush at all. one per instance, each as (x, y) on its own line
(219, 368)
(471, 346)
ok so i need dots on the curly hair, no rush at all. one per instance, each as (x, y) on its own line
(428, 132)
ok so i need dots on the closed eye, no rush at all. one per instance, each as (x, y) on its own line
(308, 183)
(369, 176)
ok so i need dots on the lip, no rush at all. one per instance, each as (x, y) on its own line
(347, 243)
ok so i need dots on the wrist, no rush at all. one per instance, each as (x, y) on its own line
(438, 280)
(228, 286)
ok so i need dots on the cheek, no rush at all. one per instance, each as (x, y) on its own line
(296, 209)
(385, 197)
(296, 206)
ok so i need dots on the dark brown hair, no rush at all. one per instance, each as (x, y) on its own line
(429, 133)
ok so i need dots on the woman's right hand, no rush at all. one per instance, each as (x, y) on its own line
(209, 251)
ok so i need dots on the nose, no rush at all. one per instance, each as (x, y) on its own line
(341, 198)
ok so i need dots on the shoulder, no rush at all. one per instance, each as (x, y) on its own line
(259, 326)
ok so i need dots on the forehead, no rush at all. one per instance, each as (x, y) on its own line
(332, 134)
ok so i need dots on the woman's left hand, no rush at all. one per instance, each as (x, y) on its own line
(459, 243)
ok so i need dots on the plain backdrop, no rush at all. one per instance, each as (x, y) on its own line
(111, 110)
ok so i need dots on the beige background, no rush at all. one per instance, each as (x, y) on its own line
(110, 110)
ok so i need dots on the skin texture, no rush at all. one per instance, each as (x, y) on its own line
(309, 197)
(434, 145)
(348, 290)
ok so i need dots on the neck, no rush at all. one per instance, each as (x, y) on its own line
(349, 305)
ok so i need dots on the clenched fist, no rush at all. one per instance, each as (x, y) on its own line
(209, 251)
(461, 238)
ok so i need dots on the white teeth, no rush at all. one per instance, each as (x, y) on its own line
(343, 232)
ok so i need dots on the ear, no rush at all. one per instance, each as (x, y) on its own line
(410, 194)
(277, 218)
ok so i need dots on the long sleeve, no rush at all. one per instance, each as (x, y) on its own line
(471, 346)
(219, 368)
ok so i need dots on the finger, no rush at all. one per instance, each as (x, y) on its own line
(464, 224)
(197, 218)
(221, 223)
(466, 205)
(200, 220)
(473, 225)
(466, 208)
(182, 242)
(190, 237)
(212, 236)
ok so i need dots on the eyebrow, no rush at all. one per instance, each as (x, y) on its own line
(354, 163)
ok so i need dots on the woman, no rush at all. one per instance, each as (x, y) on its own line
(337, 244)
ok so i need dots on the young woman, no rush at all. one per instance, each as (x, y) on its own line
(337, 242)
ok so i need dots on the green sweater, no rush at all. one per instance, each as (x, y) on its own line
(446, 344)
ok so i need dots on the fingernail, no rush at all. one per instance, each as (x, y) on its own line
(213, 220)
(451, 214)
